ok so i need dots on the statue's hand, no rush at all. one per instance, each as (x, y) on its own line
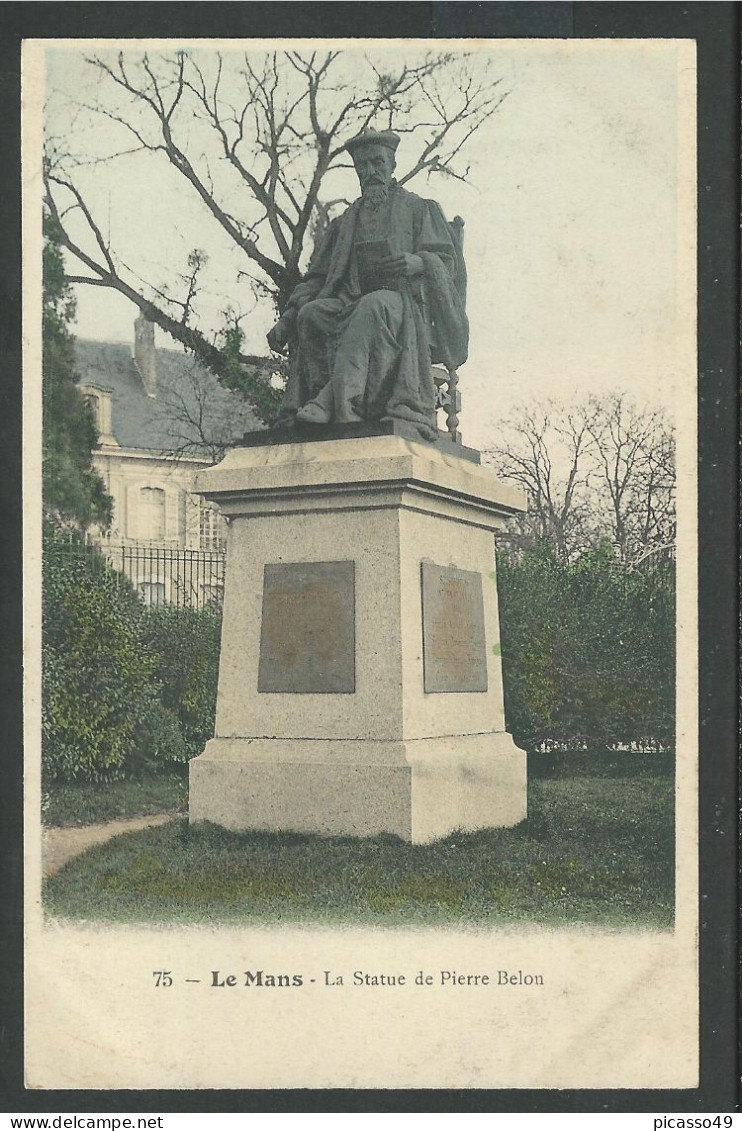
(406, 264)
(276, 340)
(279, 335)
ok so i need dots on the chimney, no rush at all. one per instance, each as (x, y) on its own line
(144, 354)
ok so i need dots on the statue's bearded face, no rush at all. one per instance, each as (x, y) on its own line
(374, 165)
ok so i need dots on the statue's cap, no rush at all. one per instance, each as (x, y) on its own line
(386, 138)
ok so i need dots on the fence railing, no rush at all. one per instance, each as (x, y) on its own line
(164, 575)
(161, 575)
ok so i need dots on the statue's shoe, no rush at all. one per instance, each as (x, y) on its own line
(313, 413)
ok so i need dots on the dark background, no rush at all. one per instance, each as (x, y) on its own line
(715, 27)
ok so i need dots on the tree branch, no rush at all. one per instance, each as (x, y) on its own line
(106, 275)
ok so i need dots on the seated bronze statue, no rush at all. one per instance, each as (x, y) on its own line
(380, 304)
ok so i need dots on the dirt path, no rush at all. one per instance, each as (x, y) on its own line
(62, 844)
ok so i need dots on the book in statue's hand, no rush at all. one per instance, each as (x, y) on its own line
(371, 253)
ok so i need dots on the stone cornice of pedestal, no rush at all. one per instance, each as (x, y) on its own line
(364, 473)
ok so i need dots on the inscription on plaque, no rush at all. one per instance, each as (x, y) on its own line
(454, 651)
(307, 632)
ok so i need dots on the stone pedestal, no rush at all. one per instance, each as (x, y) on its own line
(360, 684)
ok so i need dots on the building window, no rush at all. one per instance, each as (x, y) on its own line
(151, 522)
(93, 403)
(211, 528)
(152, 592)
(98, 402)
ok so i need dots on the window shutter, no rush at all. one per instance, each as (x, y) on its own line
(146, 514)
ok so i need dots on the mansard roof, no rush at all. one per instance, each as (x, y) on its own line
(189, 404)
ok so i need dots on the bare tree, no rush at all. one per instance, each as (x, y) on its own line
(266, 135)
(635, 456)
(601, 469)
(547, 454)
(200, 418)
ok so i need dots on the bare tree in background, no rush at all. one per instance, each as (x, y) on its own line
(200, 417)
(547, 453)
(272, 148)
(634, 450)
(600, 469)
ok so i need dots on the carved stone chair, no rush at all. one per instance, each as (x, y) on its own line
(447, 395)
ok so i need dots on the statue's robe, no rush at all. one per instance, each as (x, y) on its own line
(370, 354)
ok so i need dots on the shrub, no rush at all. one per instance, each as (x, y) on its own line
(588, 651)
(158, 740)
(185, 646)
(102, 718)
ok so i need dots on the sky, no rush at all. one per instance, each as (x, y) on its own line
(575, 230)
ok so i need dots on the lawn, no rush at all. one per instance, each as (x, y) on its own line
(597, 848)
(66, 805)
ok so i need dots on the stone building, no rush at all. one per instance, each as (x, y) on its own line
(161, 418)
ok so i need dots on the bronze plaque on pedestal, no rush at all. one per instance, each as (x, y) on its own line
(307, 632)
(454, 650)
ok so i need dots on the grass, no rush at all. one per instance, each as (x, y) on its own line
(67, 805)
(595, 850)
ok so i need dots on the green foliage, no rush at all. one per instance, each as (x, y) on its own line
(249, 381)
(588, 651)
(102, 717)
(185, 644)
(73, 491)
(93, 669)
(159, 742)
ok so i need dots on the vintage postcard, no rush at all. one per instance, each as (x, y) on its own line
(361, 631)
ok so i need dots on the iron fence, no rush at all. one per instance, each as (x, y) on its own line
(164, 575)
(161, 575)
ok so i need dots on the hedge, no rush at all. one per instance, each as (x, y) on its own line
(588, 651)
(102, 713)
(185, 644)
